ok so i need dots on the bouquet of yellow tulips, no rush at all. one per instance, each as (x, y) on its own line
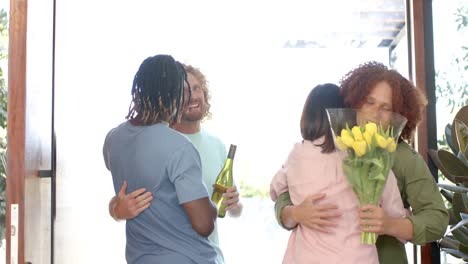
(370, 148)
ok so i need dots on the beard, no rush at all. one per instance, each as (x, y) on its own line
(193, 115)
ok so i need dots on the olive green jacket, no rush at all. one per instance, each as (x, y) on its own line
(419, 192)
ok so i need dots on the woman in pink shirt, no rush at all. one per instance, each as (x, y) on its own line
(314, 167)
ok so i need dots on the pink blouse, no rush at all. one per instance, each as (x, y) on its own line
(306, 172)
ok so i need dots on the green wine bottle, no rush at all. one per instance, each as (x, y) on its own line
(223, 182)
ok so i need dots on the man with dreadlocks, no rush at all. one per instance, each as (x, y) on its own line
(145, 153)
(212, 152)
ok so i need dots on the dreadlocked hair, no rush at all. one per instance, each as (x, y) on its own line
(158, 91)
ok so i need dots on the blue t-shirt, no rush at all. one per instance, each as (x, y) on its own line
(166, 163)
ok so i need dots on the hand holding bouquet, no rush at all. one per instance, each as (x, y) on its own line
(370, 148)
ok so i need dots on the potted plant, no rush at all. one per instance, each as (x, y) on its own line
(454, 166)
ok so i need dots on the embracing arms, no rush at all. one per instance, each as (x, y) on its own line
(317, 217)
(419, 190)
(202, 215)
(127, 206)
(429, 219)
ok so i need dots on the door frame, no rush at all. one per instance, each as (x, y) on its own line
(16, 127)
(422, 72)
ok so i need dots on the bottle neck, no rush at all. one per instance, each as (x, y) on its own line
(232, 152)
(228, 163)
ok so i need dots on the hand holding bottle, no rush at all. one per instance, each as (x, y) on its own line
(223, 182)
(232, 201)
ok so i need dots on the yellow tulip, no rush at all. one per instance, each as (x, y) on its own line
(340, 144)
(368, 137)
(357, 133)
(360, 147)
(381, 141)
(391, 145)
(347, 140)
(345, 133)
(389, 140)
(371, 127)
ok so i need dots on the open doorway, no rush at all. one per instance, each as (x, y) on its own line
(261, 60)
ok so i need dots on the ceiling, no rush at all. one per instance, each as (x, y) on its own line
(361, 24)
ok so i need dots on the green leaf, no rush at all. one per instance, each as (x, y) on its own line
(465, 156)
(459, 225)
(453, 188)
(448, 137)
(376, 168)
(454, 252)
(461, 235)
(459, 205)
(462, 116)
(461, 157)
(452, 163)
(463, 248)
(452, 167)
(448, 195)
(464, 230)
(452, 219)
(352, 175)
(461, 131)
(433, 154)
(448, 242)
(379, 177)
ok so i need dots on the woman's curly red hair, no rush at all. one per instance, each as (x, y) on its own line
(406, 99)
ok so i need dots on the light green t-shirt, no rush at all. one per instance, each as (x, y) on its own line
(213, 155)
